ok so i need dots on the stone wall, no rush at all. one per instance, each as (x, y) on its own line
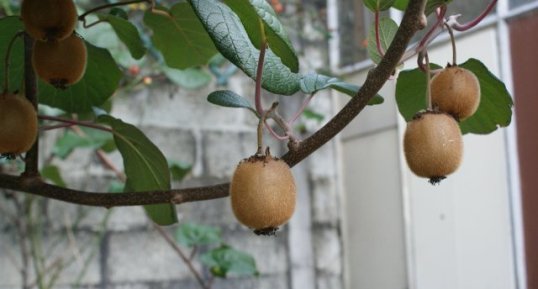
(305, 254)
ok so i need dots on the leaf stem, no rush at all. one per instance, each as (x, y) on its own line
(377, 36)
(428, 81)
(82, 17)
(259, 73)
(261, 123)
(7, 62)
(76, 122)
(464, 27)
(302, 108)
(453, 42)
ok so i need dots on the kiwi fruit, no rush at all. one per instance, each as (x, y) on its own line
(433, 145)
(263, 193)
(49, 20)
(456, 90)
(60, 63)
(18, 124)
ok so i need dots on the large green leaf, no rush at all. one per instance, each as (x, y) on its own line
(313, 82)
(387, 30)
(145, 166)
(225, 260)
(232, 41)
(180, 36)
(70, 140)
(378, 5)
(190, 78)
(495, 107)
(99, 83)
(251, 12)
(127, 33)
(9, 26)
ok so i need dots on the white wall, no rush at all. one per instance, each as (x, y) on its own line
(402, 232)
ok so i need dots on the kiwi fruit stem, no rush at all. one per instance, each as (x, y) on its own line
(453, 42)
(263, 119)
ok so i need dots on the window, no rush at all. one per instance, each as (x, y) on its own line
(516, 3)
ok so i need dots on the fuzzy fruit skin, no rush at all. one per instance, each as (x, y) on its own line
(456, 90)
(60, 63)
(18, 124)
(49, 20)
(263, 193)
(433, 145)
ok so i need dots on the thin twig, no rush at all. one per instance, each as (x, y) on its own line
(260, 127)
(75, 122)
(464, 27)
(182, 255)
(82, 17)
(31, 159)
(377, 36)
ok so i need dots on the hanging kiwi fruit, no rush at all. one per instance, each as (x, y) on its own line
(49, 20)
(18, 124)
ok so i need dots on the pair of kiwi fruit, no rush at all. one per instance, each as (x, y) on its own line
(433, 143)
(263, 193)
(59, 54)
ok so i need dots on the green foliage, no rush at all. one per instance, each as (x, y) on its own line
(233, 42)
(127, 33)
(190, 78)
(179, 36)
(145, 166)
(179, 170)
(387, 30)
(9, 27)
(52, 173)
(89, 138)
(226, 260)
(98, 84)
(228, 98)
(190, 235)
(495, 109)
(313, 82)
(378, 5)
(400, 4)
(254, 14)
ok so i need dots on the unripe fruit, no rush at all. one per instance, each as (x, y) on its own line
(456, 90)
(18, 124)
(49, 20)
(60, 63)
(262, 193)
(433, 145)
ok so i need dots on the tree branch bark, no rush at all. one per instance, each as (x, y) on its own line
(412, 21)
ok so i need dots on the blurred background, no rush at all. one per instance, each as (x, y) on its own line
(363, 220)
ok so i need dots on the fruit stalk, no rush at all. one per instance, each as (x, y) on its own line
(263, 118)
(31, 159)
(453, 43)
(7, 62)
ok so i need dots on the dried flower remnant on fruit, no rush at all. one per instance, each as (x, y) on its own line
(18, 125)
(433, 145)
(456, 91)
(263, 193)
(49, 20)
(60, 63)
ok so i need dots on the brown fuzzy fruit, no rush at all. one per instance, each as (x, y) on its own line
(49, 20)
(60, 63)
(18, 124)
(456, 90)
(262, 193)
(433, 145)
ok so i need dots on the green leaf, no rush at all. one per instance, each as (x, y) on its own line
(9, 27)
(52, 173)
(179, 170)
(313, 82)
(145, 166)
(232, 41)
(310, 114)
(180, 36)
(228, 98)
(190, 235)
(400, 4)
(225, 260)
(495, 107)
(99, 83)
(378, 5)
(387, 30)
(251, 12)
(116, 187)
(70, 140)
(127, 33)
(190, 78)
